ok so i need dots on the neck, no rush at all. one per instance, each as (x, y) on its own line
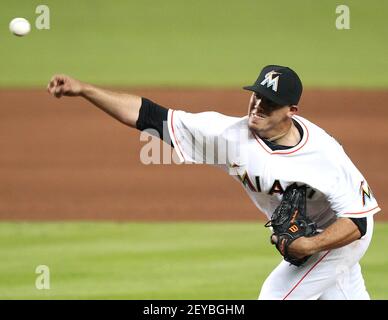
(280, 135)
(288, 136)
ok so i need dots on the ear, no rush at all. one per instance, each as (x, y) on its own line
(293, 110)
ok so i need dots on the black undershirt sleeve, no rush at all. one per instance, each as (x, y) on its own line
(153, 116)
(361, 224)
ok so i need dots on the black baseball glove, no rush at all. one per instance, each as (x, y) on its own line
(289, 222)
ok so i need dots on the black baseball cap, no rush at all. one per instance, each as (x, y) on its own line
(279, 84)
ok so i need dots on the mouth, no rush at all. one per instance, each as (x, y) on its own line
(258, 116)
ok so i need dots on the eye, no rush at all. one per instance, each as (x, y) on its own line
(271, 104)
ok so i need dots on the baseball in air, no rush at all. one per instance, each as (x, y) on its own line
(19, 27)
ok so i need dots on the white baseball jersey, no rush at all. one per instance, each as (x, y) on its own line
(335, 186)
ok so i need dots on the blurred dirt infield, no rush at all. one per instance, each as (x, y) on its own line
(64, 159)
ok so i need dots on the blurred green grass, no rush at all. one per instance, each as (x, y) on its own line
(196, 42)
(151, 260)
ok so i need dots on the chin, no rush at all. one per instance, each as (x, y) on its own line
(254, 126)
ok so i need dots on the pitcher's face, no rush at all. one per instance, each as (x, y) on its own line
(265, 115)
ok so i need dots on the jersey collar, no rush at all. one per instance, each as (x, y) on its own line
(292, 150)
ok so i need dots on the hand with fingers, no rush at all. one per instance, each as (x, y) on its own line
(62, 85)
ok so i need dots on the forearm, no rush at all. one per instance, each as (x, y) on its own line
(132, 110)
(121, 106)
(339, 234)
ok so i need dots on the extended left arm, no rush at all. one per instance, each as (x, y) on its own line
(339, 234)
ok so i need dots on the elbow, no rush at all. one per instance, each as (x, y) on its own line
(128, 118)
(128, 121)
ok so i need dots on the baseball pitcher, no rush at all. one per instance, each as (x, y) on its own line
(318, 205)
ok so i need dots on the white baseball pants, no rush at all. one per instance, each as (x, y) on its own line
(328, 275)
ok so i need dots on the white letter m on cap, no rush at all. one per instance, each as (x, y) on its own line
(271, 81)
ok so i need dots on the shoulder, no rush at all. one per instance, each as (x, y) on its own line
(318, 138)
(323, 151)
(209, 121)
(207, 115)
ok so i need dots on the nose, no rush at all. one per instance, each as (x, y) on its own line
(257, 106)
